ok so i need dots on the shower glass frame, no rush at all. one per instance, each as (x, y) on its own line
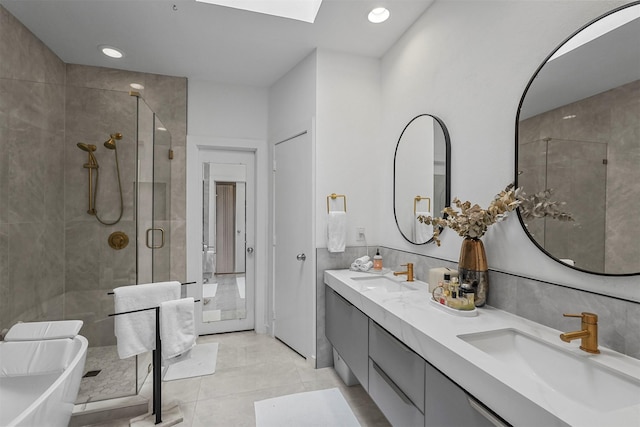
(152, 208)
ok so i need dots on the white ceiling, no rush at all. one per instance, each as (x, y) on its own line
(208, 42)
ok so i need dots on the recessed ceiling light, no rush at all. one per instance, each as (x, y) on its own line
(137, 86)
(111, 51)
(378, 15)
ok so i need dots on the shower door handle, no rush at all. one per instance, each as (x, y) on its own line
(151, 230)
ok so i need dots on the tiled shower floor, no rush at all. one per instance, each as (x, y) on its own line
(117, 377)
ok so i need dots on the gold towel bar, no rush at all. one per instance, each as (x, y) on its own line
(334, 196)
(415, 203)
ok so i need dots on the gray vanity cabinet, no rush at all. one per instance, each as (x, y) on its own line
(347, 331)
(409, 391)
(448, 405)
(396, 378)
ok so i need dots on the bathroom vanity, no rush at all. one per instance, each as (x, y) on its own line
(427, 367)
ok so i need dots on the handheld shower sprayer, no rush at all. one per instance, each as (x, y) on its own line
(93, 164)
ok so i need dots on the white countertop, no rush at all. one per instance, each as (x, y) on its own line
(433, 334)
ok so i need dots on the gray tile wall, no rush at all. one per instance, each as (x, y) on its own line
(541, 302)
(54, 258)
(31, 176)
(609, 123)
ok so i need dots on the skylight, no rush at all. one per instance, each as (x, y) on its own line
(302, 10)
(598, 29)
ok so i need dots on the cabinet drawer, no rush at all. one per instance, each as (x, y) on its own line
(404, 367)
(448, 405)
(347, 331)
(392, 401)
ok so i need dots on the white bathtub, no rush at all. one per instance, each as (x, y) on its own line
(39, 380)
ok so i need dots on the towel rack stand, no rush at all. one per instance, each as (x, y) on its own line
(181, 284)
(156, 355)
(334, 196)
(157, 363)
(419, 198)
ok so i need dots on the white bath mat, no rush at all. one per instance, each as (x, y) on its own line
(202, 362)
(326, 408)
(209, 290)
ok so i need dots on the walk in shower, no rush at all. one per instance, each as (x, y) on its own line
(131, 217)
(68, 240)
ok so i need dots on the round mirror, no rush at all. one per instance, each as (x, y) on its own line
(578, 148)
(421, 184)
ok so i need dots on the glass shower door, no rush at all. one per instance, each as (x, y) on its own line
(160, 235)
(153, 207)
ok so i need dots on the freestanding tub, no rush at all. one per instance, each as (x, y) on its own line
(39, 380)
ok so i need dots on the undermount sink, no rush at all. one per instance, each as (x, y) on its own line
(577, 377)
(383, 283)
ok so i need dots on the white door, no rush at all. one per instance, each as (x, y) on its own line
(294, 257)
(227, 216)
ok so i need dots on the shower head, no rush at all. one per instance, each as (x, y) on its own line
(86, 147)
(111, 142)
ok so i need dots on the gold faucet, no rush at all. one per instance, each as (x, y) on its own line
(588, 332)
(409, 271)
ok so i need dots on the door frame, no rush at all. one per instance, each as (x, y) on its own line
(194, 217)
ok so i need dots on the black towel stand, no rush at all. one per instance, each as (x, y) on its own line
(157, 359)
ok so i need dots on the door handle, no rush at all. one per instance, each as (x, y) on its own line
(301, 257)
(161, 230)
(249, 250)
(485, 413)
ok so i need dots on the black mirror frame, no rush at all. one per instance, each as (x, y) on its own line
(447, 202)
(526, 90)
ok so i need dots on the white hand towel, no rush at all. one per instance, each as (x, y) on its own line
(177, 329)
(421, 232)
(136, 332)
(362, 260)
(336, 231)
(362, 267)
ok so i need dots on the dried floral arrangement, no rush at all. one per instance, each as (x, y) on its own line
(472, 221)
(540, 205)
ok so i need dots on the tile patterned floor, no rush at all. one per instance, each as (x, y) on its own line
(117, 376)
(253, 367)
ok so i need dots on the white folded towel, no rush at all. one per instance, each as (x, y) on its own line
(177, 329)
(362, 260)
(336, 231)
(361, 267)
(136, 332)
(421, 232)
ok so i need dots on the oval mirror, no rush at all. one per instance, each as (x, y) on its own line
(578, 148)
(421, 184)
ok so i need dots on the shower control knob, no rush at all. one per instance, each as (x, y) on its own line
(301, 257)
